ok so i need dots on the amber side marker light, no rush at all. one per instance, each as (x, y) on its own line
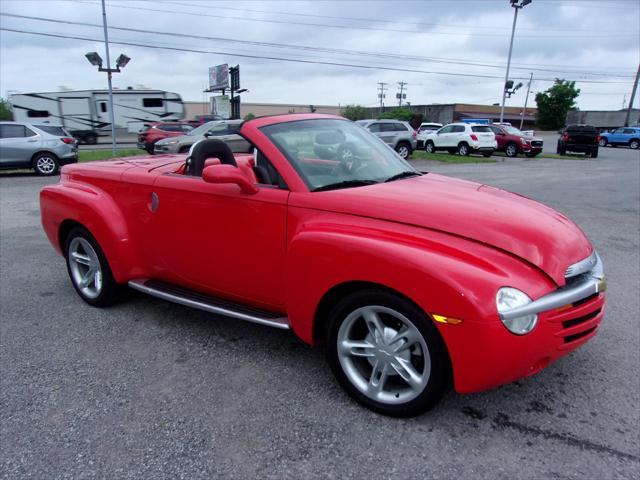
(443, 319)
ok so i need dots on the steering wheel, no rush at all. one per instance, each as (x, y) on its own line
(348, 160)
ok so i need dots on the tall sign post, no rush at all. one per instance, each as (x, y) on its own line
(223, 78)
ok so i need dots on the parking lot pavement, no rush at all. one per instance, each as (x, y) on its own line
(148, 389)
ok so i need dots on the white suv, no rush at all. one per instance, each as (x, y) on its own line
(463, 138)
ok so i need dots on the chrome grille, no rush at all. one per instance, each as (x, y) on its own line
(583, 266)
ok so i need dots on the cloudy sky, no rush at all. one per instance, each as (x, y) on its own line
(328, 52)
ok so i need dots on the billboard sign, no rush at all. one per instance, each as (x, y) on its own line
(219, 77)
(221, 105)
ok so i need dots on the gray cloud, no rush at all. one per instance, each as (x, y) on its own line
(546, 35)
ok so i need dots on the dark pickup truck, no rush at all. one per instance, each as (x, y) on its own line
(579, 138)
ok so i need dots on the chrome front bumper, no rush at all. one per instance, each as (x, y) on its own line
(583, 283)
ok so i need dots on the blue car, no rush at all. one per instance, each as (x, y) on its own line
(627, 136)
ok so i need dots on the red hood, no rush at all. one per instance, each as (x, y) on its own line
(510, 222)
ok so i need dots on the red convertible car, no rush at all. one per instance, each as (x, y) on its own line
(413, 282)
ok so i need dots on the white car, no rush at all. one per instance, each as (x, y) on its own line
(425, 129)
(463, 138)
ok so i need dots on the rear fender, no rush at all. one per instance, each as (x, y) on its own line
(97, 211)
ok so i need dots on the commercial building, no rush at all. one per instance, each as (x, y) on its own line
(260, 109)
(456, 112)
(603, 119)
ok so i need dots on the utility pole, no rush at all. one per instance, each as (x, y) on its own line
(381, 89)
(516, 6)
(106, 47)
(633, 97)
(401, 84)
(526, 99)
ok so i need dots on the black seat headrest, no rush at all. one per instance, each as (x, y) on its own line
(209, 148)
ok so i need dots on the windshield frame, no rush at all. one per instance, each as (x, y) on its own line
(375, 141)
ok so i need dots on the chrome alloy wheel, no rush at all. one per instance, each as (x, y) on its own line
(383, 354)
(403, 151)
(512, 150)
(84, 264)
(46, 165)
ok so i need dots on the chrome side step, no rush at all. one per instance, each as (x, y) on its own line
(192, 299)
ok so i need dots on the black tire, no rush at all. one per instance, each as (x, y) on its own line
(560, 150)
(439, 380)
(149, 148)
(487, 154)
(511, 150)
(634, 143)
(45, 164)
(90, 138)
(594, 153)
(603, 142)
(429, 147)
(111, 292)
(404, 149)
(463, 149)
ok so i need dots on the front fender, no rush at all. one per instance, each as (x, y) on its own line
(97, 211)
(441, 273)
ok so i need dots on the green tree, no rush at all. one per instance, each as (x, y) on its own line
(249, 116)
(355, 112)
(399, 113)
(5, 110)
(555, 102)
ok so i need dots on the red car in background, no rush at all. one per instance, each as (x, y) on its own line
(512, 141)
(152, 132)
(412, 281)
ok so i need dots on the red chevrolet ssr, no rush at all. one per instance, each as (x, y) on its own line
(413, 282)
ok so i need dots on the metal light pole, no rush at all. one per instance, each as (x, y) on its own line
(516, 6)
(121, 62)
(526, 99)
(108, 69)
(633, 96)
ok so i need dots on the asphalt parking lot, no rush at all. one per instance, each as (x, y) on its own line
(148, 389)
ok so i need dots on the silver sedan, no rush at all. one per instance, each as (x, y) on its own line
(225, 130)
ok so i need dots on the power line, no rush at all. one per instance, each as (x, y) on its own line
(309, 48)
(283, 59)
(375, 20)
(351, 27)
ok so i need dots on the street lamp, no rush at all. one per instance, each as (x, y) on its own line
(96, 60)
(517, 5)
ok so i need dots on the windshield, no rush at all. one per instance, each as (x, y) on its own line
(202, 129)
(514, 131)
(330, 153)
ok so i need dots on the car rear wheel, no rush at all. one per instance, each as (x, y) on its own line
(603, 142)
(634, 144)
(463, 149)
(89, 271)
(430, 147)
(594, 153)
(511, 150)
(403, 150)
(387, 354)
(149, 148)
(46, 164)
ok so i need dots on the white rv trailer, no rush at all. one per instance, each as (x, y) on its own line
(85, 113)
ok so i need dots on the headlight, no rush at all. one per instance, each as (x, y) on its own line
(509, 298)
(170, 142)
(523, 140)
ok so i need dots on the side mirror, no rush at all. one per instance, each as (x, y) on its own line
(229, 174)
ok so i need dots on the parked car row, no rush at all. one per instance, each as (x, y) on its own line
(397, 134)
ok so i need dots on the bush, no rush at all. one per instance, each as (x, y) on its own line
(355, 112)
(249, 116)
(5, 110)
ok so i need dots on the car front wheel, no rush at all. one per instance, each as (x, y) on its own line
(387, 354)
(46, 164)
(511, 150)
(634, 144)
(89, 271)
(603, 142)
